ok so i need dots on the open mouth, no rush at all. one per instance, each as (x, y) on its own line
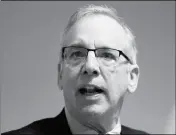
(90, 90)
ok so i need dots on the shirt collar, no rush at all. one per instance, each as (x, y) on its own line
(77, 128)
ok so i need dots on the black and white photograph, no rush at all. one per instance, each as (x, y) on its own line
(87, 67)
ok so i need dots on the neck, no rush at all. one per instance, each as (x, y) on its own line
(102, 124)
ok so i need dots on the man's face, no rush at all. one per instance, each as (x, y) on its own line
(96, 31)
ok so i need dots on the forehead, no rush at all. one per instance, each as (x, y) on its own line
(96, 31)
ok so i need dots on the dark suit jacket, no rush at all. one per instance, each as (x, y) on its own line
(56, 126)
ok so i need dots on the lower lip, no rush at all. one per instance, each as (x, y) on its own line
(91, 95)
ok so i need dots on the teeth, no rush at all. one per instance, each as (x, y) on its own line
(89, 90)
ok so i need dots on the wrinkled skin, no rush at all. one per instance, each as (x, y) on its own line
(102, 111)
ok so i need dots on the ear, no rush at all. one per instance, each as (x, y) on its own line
(59, 77)
(133, 76)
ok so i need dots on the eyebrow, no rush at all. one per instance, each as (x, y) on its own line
(81, 43)
(78, 43)
(106, 45)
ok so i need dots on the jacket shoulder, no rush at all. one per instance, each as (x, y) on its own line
(47, 126)
(34, 128)
(129, 130)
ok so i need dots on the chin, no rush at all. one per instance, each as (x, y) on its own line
(93, 110)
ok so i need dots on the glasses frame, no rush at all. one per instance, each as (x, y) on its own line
(94, 50)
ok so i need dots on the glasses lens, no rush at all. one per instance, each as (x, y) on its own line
(75, 55)
(107, 56)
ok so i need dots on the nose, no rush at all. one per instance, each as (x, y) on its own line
(91, 66)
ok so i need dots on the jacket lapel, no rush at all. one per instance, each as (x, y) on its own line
(62, 124)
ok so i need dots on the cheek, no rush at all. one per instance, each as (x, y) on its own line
(69, 79)
(115, 75)
(116, 80)
(70, 76)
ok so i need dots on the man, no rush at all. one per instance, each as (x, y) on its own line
(97, 68)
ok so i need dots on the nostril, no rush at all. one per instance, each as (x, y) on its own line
(95, 72)
(85, 72)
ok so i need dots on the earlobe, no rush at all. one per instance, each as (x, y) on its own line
(59, 77)
(60, 70)
(133, 76)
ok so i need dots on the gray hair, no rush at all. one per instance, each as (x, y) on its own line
(108, 11)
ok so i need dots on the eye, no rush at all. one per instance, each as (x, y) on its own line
(77, 54)
(107, 56)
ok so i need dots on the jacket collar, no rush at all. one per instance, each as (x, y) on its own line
(65, 129)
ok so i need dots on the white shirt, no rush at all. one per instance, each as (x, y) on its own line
(77, 128)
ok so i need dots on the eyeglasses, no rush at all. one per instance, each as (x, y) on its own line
(106, 56)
